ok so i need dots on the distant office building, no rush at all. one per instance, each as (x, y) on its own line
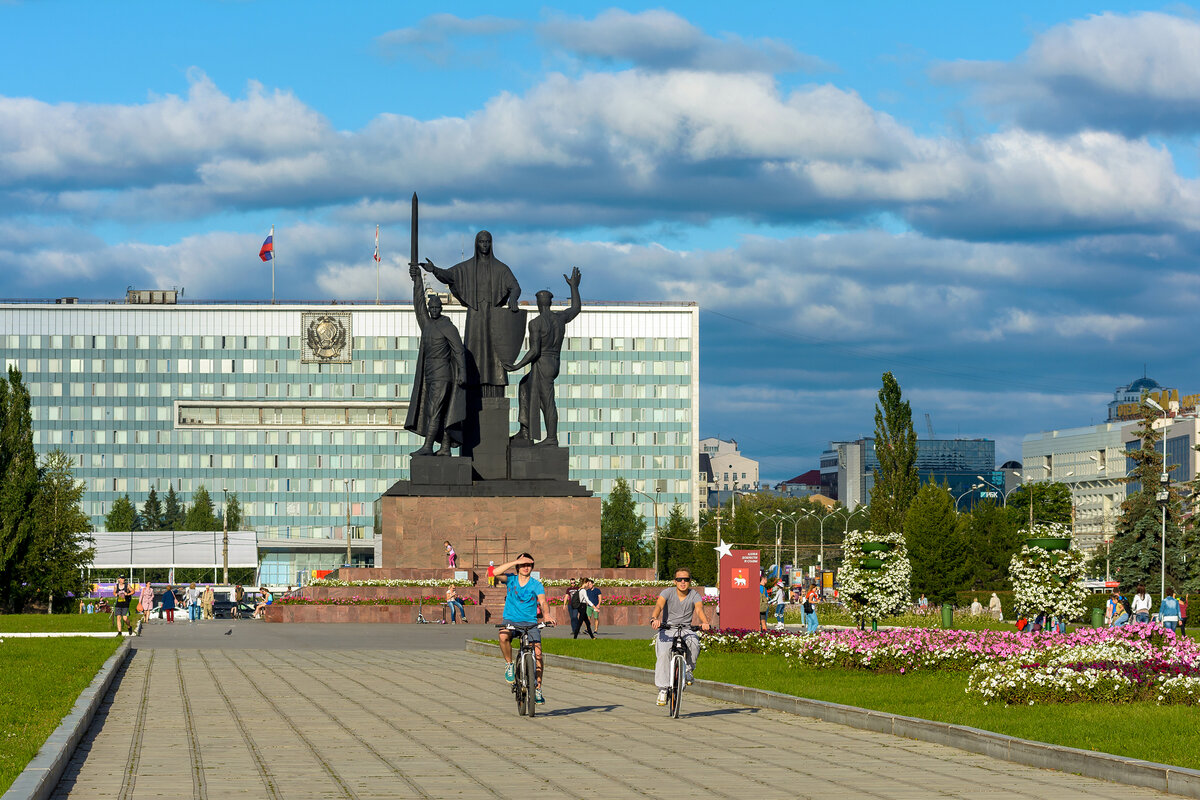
(1091, 459)
(300, 408)
(726, 468)
(957, 464)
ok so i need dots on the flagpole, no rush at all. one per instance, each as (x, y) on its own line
(274, 255)
(376, 265)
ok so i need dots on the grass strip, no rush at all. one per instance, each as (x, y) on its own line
(59, 623)
(40, 679)
(1165, 734)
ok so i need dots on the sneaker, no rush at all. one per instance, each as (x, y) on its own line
(688, 677)
(662, 697)
(509, 674)
(537, 696)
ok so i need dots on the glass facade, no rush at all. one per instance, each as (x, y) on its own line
(226, 396)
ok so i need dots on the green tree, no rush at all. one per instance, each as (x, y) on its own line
(174, 512)
(896, 480)
(18, 488)
(122, 516)
(61, 547)
(1137, 547)
(152, 512)
(991, 536)
(200, 516)
(1051, 502)
(622, 526)
(935, 548)
(676, 543)
(233, 512)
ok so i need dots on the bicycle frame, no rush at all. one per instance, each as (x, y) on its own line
(679, 659)
(525, 668)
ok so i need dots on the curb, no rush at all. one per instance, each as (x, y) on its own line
(1117, 769)
(59, 634)
(40, 776)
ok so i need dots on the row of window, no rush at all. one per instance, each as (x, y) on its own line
(253, 366)
(382, 343)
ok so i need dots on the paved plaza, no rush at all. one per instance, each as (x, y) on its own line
(300, 711)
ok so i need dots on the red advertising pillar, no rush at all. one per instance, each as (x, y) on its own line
(738, 603)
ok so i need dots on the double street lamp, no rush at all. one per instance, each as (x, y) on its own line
(1164, 497)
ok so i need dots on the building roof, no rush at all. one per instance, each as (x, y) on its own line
(810, 478)
(828, 502)
(1144, 384)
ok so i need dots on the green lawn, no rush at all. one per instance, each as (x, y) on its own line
(39, 681)
(88, 623)
(1167, 734)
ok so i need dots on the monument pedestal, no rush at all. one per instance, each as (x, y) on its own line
(440, 471)
(557, 521)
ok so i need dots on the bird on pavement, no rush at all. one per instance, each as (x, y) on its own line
(228, 632)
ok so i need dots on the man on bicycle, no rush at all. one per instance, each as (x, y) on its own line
(676, 606)
(525, 596)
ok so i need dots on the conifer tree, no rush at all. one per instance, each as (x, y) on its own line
(61, 546)
(233, 511)
(935, 548)
(1136, 549)
(152, 512)
(677, 543)
(173, 511)
(121, 516)
(991, 537)
(896, 480)
(200, 516)
(622, 526)
(18, 488)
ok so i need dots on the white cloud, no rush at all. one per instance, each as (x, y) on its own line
(436, 37)
(1133, 73)
(662, 40)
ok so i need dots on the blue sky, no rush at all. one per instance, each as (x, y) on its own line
(997, 202)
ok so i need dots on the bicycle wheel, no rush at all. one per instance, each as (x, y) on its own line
(678, 676)
(530, 670)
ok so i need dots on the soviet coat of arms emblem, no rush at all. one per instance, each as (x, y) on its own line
(326, 337)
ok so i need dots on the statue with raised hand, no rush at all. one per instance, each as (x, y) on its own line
(536, 391)
(438, 406)
(487, 287)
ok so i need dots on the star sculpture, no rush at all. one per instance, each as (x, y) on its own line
(723, 550)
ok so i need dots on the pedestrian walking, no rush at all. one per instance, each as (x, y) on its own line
(570, 600)
(121, 595)
(1183, 608)
(207, 600)
(585, 608)
(192, 597)
(145, 604)
(778, 599)
(592, 593)
(168, 603)
(236, 596)
(996, 608)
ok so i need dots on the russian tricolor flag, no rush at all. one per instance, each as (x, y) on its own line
(267, 251)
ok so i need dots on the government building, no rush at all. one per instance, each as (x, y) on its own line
(299, 408)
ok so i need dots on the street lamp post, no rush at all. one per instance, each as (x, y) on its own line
(654, 500)
(1164, 497)
(225, 540)
(349, 560)
(964, 494)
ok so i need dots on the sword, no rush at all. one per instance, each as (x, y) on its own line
(412, 257)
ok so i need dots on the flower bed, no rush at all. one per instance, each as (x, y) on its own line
(1134, 662)
(390, 582)
(367, 601)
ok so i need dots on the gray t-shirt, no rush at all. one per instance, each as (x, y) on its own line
(676, 611)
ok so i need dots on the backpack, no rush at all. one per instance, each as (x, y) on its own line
(576, 599)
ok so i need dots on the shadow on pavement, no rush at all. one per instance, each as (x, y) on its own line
(562, 712)
(716, 712)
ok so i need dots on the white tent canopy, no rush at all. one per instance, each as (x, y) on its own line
(155, 549)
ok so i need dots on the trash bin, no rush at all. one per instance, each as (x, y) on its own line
(1097, 618)
(947, 616)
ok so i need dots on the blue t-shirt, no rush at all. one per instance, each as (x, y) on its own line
(521, 602)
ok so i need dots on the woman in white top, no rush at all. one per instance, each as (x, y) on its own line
(1141, 605)
(193, 603)
(778, 598)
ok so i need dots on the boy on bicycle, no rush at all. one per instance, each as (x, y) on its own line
(525, 596)
(675, 606)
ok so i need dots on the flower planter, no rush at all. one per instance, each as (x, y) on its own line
(1050, 543)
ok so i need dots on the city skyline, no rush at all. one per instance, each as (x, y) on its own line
(996, 204)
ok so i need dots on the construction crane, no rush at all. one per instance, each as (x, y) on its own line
(929, 425)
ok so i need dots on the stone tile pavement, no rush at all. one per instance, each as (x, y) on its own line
(421, 722)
